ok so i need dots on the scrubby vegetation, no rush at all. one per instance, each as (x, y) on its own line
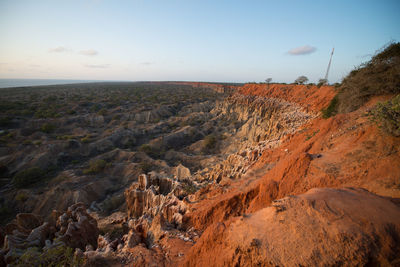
(95, 166)
(387, 115)
(301, 80)
(55, 256)
(113, 203)
(65, 128)
(145, 167)
(21, 196)
(331, 110)
(27, 177)
(47, 128)
(209, 143)
(379, 76)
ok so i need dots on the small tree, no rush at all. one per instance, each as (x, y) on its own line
(322, 82)
(268, 81)
(301, 80)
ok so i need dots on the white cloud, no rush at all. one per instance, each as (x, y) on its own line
(302, 50)
(59, 49)
(146, 63)
(89, 52)
(97, 66)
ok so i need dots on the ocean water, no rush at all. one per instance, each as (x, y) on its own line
(6, 83)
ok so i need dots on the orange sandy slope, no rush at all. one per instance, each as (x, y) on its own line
(347, 150)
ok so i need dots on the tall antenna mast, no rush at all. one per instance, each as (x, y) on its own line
(329, 66)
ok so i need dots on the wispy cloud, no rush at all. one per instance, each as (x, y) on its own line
(97, 66)
(147, 63)
(302, 50)
(89, 52)
(59, 49)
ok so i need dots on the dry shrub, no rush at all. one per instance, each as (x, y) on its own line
(379, 76)
(387, 115)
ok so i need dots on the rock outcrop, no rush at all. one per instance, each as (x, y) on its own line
(75, 228)
(153, 195)
(181, 172)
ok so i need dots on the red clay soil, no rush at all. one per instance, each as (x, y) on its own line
(310, 97)
(323, 227)
(346, 150)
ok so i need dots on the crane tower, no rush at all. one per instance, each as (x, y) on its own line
(329, 66)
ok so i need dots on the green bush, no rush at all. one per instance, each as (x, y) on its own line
(46, 113)
(331, 110)
(47, 128)
(37, 142)
(210, 141)
(146, 167)
(387, 115)
(95, 166)
(117, 117)
(152, 151)
(189, 188)
(27, 177)
(21, 196)
(146, 148)
(102, 112)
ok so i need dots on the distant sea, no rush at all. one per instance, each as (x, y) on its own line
(5, 83)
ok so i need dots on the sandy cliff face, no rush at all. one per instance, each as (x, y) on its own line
(347, 150)
(281, 147)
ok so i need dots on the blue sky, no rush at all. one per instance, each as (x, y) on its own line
(203, 40)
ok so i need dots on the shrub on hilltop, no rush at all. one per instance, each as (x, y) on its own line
(301, 80)
(379, 76)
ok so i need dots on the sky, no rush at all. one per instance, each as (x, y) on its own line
(191, 40)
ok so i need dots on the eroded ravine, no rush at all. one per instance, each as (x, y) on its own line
(268, 144)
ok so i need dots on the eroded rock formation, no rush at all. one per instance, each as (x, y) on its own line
(154, 195)
(75, 228)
